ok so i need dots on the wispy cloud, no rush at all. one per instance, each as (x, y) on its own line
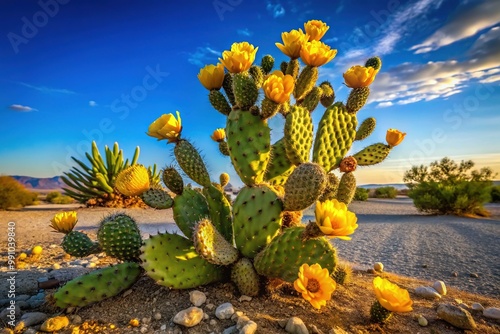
(275, 9)
(244, 32)
(47, 90)
(21, 108)
(203, 55)
(92, 103)
(467, 23)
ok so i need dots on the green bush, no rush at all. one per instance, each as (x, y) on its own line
(53, 194)
(446, 187)
(13, 195)
(386, 192)
(56, 197)
(361, 194)
(495, 194)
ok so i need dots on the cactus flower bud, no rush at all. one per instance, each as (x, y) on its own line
(218, 135)
(348, 164)
(316, 53)
(239, 58)
(212, 76)
(278, 87)
(315, 29)
(292, 43)
(394, 137)
(166, 127)
(359, 76)
(64, 222)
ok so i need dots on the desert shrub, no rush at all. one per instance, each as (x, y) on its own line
(495, 194)
(56, 197)
(361, 194)
(446, 187)
(13, 195)
(53, 194)
(386, 192)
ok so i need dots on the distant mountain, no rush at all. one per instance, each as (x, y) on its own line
(40, 183)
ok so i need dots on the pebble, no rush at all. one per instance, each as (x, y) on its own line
(440, 287)
(295, 325)
(163, 327)
(189, 317)
(230, 330)
(249, 328)
(210, 307)
(456, 316)
(157, 316)
(56, 266)
(492, 313)
(244, 298)
(236, 315)
(197, 298)
(54, 324)
(53, 246)
(337, 330)
(22, 297)
(427, 292)
(378, 266)
(477, 307)
(75, 319)
(30, 319)
(91, 265)
(10, 314)
(213, 322)
(143, 329)
(474, 275)
(224, 311)
(126, 293)
(422, 321)
(454, 274)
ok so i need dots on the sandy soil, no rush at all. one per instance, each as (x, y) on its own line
(390, 231)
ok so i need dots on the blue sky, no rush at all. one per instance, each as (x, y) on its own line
(72, 71)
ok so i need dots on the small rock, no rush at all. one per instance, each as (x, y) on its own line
(454, 274)
(10, 313)
(249, 328)
(477, 307)
(315, 330)
(378, 266)
(424, 265)
(53, 246)
(55, 324)
(30, 319)
(464, 306)
(23, 305)
(230, 330)
(492, 313)
(244, 298)
(422, 321)
(126, 293)
(474, 275)
(70, 309)
(212, 322)
(75, 319)
(197, 298)
(295, 325)
(163, 327)
(440, 287)
(189, 317)
(146, 321)
(143, 329)
(427, 292)
(224, 311)
(210, 307)
(157, 316)
(56, 266)
(337, 330)
(242, 320)
(30, 331)
(206, 316)
(22, 297)
(456, 316)
(93, 265)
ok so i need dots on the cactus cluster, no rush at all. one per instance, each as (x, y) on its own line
(260, 234)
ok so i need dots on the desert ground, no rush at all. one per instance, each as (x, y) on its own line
(415, 249)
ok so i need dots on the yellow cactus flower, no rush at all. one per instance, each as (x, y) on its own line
(239, 58)
(133, 180)
(392, 297)
(292, 43)
(334, 220)
(359, 76)
(315, 29)
(166, 127)
(64, 222)
(394, 137)
(212, 76)
(278, 87)
(218, 135)
(316, 53)
(315, 284)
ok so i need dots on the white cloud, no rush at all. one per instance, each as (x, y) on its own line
(244, 32)
(21, 108)
(48, 90)
(385, 104)
(467, 23)
(93, 103)
(203, 55)
(276, 10)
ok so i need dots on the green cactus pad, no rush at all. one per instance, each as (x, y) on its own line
(283, 257)
(257, 75)
(79, 244)
(171, 260)
(97, 285)
(190, 161)
(223, 148)
(157, 198)
(267, 64)
(374, 62)
(305, 82)
(245, 277)
(373, 154)
(357, 99)
(173, 180)
(328, 95)
(336, 132)
(120, 237)
(212, 246)
(304, 186)
(366, 128)
(292, 68)
(189, 208)
(220, 211)
(279, 168)
(245, 90)
(257, 218)
(312, 99)
(298, 135)
(248, 139)
(330, 191)
(269, 108)
(283, 67)
(219, 102)
(347, 188)
(227, 84)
